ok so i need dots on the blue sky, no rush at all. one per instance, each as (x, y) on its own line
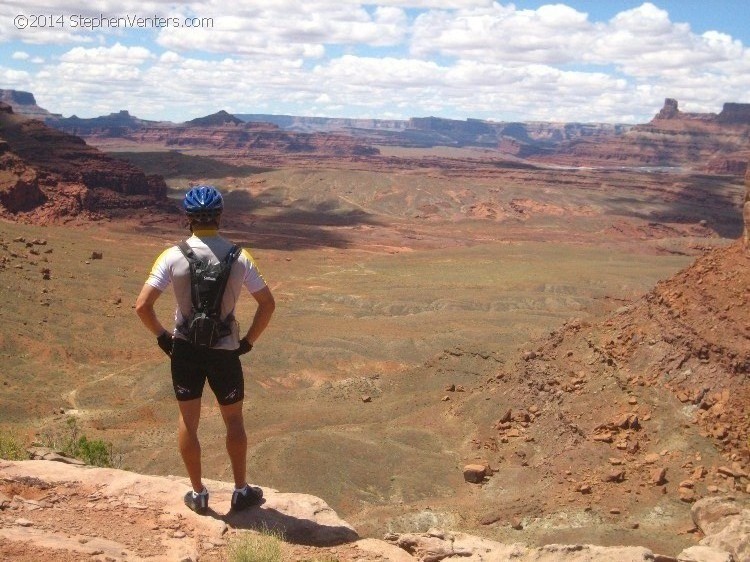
(574, 60)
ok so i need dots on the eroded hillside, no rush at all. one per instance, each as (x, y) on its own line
(46, 175)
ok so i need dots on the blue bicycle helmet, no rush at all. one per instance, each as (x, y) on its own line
(203, 203)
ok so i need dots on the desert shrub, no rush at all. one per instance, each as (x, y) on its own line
(71, 443)
(95, 452)
(11, 447)
(264, 546)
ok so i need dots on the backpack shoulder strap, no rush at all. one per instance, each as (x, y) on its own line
(193, 260)
(226, 268)
(233, 254)
(188, 252)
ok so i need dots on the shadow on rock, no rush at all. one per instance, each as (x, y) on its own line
(299, 518)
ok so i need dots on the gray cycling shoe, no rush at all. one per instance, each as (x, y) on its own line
(197, 502)
(248, 497)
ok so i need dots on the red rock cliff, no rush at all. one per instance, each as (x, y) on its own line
(46, 174)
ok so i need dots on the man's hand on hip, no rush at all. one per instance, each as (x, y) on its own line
(165, 341)
(244, 347)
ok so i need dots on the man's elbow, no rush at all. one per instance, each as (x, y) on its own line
(269, 306)
(267, 303)
(143, 308)
(140, 309)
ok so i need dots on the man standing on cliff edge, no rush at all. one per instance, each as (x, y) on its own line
(219, 363)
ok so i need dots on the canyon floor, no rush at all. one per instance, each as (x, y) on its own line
(432, 312)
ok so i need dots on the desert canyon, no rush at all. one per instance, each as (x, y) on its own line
(494, 341)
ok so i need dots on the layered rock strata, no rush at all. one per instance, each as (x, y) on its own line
(46, 174)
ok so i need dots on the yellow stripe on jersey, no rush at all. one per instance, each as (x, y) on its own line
(157, 260)
(249, 257)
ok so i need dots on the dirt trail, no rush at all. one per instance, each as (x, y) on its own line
(72, 396)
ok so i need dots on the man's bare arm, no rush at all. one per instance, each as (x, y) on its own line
(144, 307)
(266, 306)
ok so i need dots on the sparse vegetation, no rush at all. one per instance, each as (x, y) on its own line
(263, 546)
(12, 447)
(70, 442)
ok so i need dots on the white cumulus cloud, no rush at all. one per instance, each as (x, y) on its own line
(455, 58)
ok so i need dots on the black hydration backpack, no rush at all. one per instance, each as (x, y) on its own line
(207, 284)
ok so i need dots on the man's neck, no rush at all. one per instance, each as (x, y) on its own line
(205, 231)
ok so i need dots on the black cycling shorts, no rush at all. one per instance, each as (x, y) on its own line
(192, 366)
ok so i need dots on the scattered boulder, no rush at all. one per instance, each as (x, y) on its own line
(726, 523)
(475, 473)
(47, 454)
(701, 553)
(614, 475)
(659, 476)
(687, 495)
(651, 458)
(712, 514)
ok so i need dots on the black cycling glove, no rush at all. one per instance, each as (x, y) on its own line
(165, 342)
(244, 347)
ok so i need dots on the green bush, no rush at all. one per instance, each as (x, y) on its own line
(256, 547)
(11, 448)
(94, 452)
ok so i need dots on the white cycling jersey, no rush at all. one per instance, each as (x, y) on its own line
(172, 268)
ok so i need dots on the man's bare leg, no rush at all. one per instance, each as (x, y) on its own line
(187, 439)
(236, 441)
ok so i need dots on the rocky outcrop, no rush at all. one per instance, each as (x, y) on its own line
(670, 110)
(735, 114)
(746, 211)
(46, 174)
(703, 142)
(114, 125)
(64, 506)
(725, 522)
(52, 509)
(19, 183)
(436, 546)
(215, 120)
(24, 103)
